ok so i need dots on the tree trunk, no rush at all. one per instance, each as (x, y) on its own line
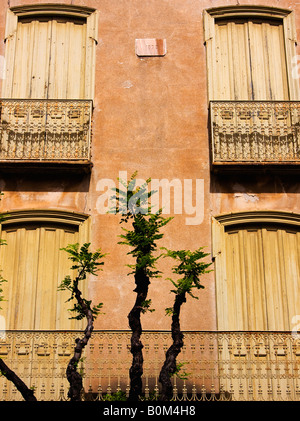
(134, 318)
(170, 365)
(75, 378)
(27, 393)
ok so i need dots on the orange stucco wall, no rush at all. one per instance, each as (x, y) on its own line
(150, 115)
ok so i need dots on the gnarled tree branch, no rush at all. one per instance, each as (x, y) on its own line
(85, 262)
(170, 366)
(75, 378)
(134, 318)
(27, 393)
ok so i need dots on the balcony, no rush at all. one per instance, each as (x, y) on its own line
(45, 133)
(219, 365)
(255, 133)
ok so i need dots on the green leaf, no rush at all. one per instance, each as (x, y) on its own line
(86, 262)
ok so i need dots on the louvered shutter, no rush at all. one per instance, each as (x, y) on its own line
(250, 60)
(34, 266)
(49, 60)
(262, 279)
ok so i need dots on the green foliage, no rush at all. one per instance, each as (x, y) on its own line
(81, 368)
(143, 242)
(169, 311)
(133, 204)
(132, 199)
(146, 306)
(85, 262)
(182, 375)
(118, 396)
(189, 267)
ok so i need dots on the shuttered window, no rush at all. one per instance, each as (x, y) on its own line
(250, 52)
(50, 57)
(250, 60)
(50, 52)
(34, 266)
(261, 286)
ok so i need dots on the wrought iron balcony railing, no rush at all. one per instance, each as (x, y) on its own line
(45, 130)
(255, 132)
(218, 365)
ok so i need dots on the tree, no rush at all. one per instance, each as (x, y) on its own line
(27, 393)
(85, 262)
(189, 267)
(133, 204)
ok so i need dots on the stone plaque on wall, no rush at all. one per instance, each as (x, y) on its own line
(150, 47)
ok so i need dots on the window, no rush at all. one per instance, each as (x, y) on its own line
(253, 96)
(249, 53)
(34, 266)
(46, 110)
(257, 258)
(251, 62)
(50, 52)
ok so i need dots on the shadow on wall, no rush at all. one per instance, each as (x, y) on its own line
(262, 181)
(45, 182)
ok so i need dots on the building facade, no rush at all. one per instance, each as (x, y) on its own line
(201, 96)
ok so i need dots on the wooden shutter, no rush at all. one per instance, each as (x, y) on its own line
(233, 61)
(250, 60)
(50, 57)
(34, 266)
(262, 278)
(31, 65)
(67, 63)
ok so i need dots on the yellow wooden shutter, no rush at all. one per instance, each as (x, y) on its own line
(233, 61)
(268, 61)
(262, 278)
(32, 55)
(19, 265)
(250, 60)
(67, 63)
(34, 266)
(50, 57)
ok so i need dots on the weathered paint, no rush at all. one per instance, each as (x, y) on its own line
(159, 127)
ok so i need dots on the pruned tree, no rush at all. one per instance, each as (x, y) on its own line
(133, 205)
(26, 392)
(85, 262)
(189, 267)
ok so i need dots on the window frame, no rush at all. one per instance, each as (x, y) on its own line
(52, 217)
(287, 17)
(52, 10)
(64, 217)
(218, 251)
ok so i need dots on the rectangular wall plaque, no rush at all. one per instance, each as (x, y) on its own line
(150, 47)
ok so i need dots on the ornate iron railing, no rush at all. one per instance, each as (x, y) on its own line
(255, 132)
(216, 365)
(45, 130)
